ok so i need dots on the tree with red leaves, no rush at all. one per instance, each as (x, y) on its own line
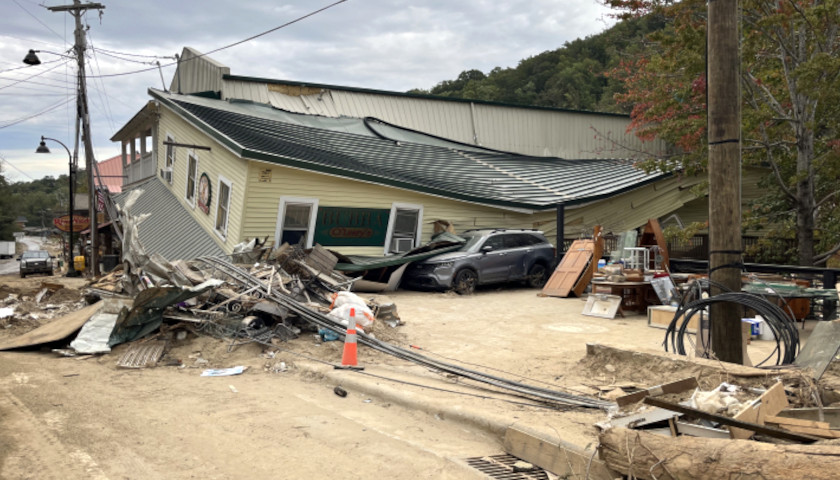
(790, 89)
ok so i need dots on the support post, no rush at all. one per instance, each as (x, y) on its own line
(560, 247)
(724, 137)
(76, 10)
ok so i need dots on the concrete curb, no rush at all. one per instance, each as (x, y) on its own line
(549, 442)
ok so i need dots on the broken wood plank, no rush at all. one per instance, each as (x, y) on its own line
(730, 422)
(560, 458)
(771, 402)
(795, 421)
(639, 454)
(665, 388)
(817, 432)
(825, 414)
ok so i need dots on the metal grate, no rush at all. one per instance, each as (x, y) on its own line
(142, 355)
(501, 467)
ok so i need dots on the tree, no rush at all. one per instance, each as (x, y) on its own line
(7, 211)
(791, 100)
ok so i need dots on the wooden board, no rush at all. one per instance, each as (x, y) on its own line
(827, 414)
(589, 271)
(660, 316)
(730, 422)
(769, 403)
(562, 459)
(56, 330)
(666, 388)
(784, 421)
(573, 265)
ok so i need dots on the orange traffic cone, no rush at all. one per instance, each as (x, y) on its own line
(349, 358)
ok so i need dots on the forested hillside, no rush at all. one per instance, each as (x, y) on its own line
(574, 76)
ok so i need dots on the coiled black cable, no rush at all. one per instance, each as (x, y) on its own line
(780, 323)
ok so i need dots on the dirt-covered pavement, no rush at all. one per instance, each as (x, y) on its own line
(84, 417)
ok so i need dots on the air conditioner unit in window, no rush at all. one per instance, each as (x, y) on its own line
(400, 245)
(166, 174)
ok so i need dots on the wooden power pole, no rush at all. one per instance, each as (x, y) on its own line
(77, 10)
(724, 131)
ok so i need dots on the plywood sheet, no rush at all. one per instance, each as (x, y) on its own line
(770, 403)
(56, 330)
(566, 275)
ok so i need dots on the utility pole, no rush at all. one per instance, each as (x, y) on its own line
(77, 10)
(724, 136)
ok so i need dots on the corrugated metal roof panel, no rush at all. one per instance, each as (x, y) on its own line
(170, 230)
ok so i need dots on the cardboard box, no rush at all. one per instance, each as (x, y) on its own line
(660, 316)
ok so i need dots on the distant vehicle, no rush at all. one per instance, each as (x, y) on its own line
(35, 261)
(489, 256)
(7, 249)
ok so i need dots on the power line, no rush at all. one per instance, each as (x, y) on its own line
(38, 20)
(33, 76)
(29, 117)
(292, 22)
(15, 167)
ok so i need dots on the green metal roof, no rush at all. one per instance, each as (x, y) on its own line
(259, 132)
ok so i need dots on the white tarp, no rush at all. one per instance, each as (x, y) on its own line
(94, 335)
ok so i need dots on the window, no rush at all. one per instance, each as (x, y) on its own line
(403, 228)
(296, 221)
(192, 173)
(223, 207)
(169, 160)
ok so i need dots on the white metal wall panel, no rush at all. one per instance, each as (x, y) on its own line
(197, 73)
(528, 131)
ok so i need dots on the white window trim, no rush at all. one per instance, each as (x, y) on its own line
(166, 165)
(418, 229)
(313, 217)
(222, 179)
(191, 202)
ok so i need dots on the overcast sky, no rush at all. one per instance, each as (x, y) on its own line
(381, 44)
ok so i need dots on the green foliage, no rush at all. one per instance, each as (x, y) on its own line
(39, 200)
(7, 217)
(574, 76)
(790, 54)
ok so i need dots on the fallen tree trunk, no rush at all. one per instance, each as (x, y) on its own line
(643, 455)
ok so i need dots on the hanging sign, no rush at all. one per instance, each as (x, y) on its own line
(79, 223)
(204, 193)
(356, 227)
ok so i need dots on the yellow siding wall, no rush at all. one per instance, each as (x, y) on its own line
(623, 212)
(218, 161)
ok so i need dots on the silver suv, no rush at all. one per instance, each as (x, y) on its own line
(488, 256)
(35, 261)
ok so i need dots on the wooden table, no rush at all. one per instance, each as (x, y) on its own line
(635, 296)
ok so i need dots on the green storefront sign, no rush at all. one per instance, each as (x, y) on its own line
(351, 227)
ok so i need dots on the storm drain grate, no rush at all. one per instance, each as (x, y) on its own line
(501, 467)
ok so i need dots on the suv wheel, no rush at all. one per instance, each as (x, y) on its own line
(537, 275)
(465, 282)
(22, 275)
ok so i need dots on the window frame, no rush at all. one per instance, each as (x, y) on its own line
(392, 219)
(169, 156)
(191, 198)
(227, 183)
(281, 216)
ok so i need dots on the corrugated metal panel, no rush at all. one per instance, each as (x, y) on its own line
(527, 131)
(169, 230)
(197, 73)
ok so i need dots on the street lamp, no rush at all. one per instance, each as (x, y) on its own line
(42, 148)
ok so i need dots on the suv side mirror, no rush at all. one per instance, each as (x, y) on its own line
(487, 248)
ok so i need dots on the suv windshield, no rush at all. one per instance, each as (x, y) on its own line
(34, 254)
(472, 243)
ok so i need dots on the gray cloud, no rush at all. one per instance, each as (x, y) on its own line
(381, 44)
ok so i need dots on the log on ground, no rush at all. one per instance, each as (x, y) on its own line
(646, 455)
